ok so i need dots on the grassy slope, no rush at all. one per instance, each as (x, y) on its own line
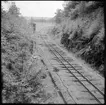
(84, 37)
(17, 49)
(21, 73)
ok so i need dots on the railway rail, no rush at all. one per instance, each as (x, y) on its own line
(96, 93)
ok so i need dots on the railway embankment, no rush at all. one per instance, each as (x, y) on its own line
(80, 29)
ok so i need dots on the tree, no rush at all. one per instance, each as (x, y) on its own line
(58, 17)
(13, 10)
(69, 6)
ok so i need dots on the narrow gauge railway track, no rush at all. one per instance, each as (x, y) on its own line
(59, 90)
(73, 71)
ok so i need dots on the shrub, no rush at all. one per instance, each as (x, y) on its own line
(16, 46)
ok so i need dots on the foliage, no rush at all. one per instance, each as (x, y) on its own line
(82, 30)
(58, 18)
(13, 10)
(16, 49)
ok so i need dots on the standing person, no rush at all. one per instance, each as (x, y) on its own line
(34, 27)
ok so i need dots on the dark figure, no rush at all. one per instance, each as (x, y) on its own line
(34, 27)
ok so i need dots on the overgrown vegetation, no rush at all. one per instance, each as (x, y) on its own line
(16, 50)
(81, 27)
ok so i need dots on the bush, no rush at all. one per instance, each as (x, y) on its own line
(86, 39)
(17, 48)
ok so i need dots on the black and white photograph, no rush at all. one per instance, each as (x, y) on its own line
(52, 52)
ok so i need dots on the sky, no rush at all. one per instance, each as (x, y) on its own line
(38, 8)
